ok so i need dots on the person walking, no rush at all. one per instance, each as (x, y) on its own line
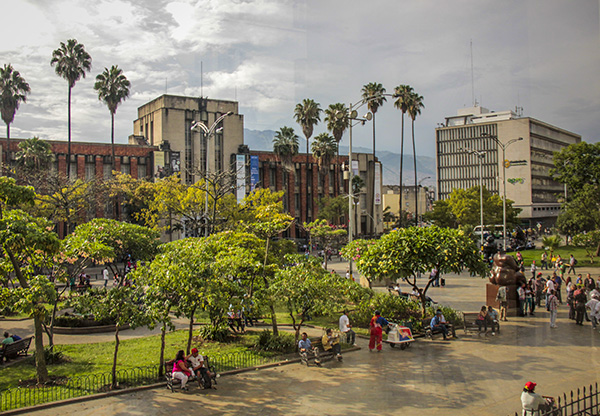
(376, 331)
(544, 264)
(580, 299)
(105, 275)
(533, 269)
(572, 264)
(346, 328)
(553, 308)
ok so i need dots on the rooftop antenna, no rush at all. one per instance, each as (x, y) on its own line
(201, 80)
(472, 78)
(518, 108)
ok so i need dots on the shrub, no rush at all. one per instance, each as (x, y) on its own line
(284, 343)
(71, 321)
(52, 356)
(219, 333)
(394, 308)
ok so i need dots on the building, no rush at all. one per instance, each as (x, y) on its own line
(391, 199)
(520, 147)
(167, 122)
(270, 172)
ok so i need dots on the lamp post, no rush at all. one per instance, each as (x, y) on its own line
(208, 131)
(480, 155)
(503, 146)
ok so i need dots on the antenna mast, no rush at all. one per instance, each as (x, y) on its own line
(472, 78)
(201, 80)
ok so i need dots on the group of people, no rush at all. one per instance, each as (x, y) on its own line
(488, 316)
(191, 367)
(9, 339)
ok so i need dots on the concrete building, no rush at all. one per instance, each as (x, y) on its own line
(526, 162)
(391, 199)
(166, 122)
(264, 169)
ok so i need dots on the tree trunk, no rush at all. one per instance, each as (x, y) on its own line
(373, 225)
(273, 320)
(114, 367)
(7, 151)
(40, 358)
(69, 137)
(401, 160)
(114, 162)
(598, 250)
(416, 183)
(161, 366)
(307, 184)
(190, 331)
(271, 305)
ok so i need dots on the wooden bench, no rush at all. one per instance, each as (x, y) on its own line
(171, 382)
(470, 322)
(317, 343)
(16, 349)
(429, 333)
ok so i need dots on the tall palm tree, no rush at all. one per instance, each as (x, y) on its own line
(113, 88)
(13, 91)
(336, 117)
(402, 93)
(323, 149)
(373, 92)
(72, 62)
(414, 109)
(285, 145)
(34, 154)
(307, 114)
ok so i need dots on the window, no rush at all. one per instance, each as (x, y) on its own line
(142, 173)
(126, 168)
(106, 170)
(90, 171)
(273, 178)
(297, 177)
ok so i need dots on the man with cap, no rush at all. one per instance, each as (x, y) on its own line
(200, 371)
(376, 331)
(531, 401)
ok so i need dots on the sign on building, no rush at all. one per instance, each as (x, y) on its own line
(377, 195)
(254, 173)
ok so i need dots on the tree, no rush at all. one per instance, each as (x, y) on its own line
(407, 252)
(72, 62)
(332, 208)
(123, 305)
(373, 92)
(34, 155)
(337, 119)
(323, 150)
(113, 88)
(27, 246)
(441, 214)
(590, 242)
(325, 235)
(285, 145)
(264, 217)
(403, 95)
(307, 114)
(552, 242)
(306, 288)
(414, 109)
(112, 243)
(13, 91)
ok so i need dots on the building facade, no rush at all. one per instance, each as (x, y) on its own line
(166, 122)
(422, 199)
(521, 148)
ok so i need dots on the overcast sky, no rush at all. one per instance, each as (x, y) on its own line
(541, 55)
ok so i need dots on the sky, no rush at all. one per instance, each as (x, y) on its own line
(543, 56)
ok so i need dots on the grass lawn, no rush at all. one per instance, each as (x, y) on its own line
(87, 359)
(565, 251)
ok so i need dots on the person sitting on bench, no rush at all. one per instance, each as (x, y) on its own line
(181, 370)
(7, 339)
(305, 347)
(199, 369)
(331, 343)
(438, 324)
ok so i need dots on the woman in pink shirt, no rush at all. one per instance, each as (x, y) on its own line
(181, 370)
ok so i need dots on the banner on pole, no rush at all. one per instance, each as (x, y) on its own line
(377, 183)
(240, 171)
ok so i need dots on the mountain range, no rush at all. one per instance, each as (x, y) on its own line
(263, 140)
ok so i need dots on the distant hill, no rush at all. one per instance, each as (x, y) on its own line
(263, 140)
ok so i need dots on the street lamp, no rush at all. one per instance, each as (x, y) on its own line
(503, 146)
(208, 131)
(480, 155)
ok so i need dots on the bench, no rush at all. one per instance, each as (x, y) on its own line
(470, 322)
(16, 349)
(429, 333)
(317, 343)
(171, 382)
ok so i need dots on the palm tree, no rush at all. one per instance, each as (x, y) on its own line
(402, 93)
(374, 91)
(285, 145)
(323, 149)
(113, 88)
(34, 154)
(336, 117)
(13, 91)
(72, 62)
(414, 109)
(307, 114)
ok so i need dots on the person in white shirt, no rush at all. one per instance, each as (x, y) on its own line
(594, 306)
(105, 276)
(549, 289)
(531, 401)
(346, 328)
(200, 370)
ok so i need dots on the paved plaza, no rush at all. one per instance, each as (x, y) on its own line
(474, 375)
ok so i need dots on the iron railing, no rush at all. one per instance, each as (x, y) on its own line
(582, 403)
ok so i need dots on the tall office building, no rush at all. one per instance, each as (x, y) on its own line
(522, 148)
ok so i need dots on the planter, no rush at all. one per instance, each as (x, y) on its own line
(82, 330)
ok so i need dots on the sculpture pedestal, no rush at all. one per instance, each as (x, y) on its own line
(511, 298)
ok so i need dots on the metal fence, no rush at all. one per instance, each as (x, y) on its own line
(584, 402)
(63, 388)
